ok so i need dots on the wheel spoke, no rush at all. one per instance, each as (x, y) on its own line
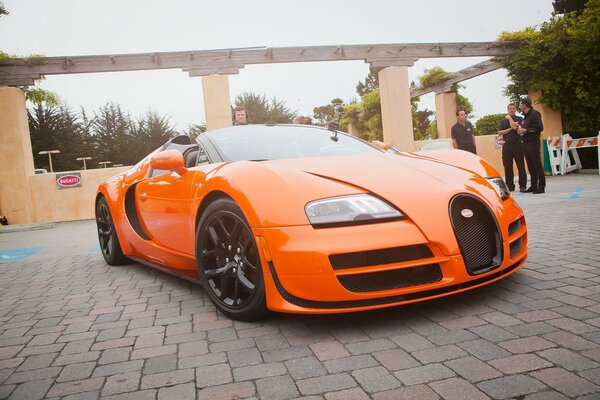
(243, 281)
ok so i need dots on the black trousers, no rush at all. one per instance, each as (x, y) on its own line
(468, 147)
(510, 152)
(534, 163)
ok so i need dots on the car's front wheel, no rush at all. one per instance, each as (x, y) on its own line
(107, 235)
(228, 261)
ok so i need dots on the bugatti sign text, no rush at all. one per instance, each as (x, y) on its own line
(68, 180)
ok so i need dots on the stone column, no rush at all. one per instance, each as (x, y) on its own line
(445, 113)
(353, 130)
(217, 102)
(395, 107)
(16, 158)
(551, 118)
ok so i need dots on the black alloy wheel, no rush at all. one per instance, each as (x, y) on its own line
(228, 262)
(107, 236)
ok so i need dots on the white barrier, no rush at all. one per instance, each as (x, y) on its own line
(559, 149)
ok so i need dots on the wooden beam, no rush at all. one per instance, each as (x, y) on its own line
(449, 81)
(376, 54)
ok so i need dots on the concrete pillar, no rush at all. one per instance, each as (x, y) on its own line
(551, 118)
(217, 102)
(16, 158)
(445, 113)
(395, 107)
(353, 130)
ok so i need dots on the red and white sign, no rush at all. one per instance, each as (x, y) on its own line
(499, 141)
(68, 180)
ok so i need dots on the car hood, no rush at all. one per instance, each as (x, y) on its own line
(421, 188)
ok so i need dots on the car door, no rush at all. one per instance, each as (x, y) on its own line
(164, 202)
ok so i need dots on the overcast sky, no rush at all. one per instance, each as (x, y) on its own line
(82, 27)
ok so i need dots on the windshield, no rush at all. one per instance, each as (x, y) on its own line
(261, 142)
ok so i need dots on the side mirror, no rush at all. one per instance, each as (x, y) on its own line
(169, 160)
(380, 145)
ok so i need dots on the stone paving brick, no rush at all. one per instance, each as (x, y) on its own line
(111, 344)
(511, 386)
(258, 332)
(141, 395)
(532, 329)
(526, 345)
(288, 353)
(160, 364)
(307, 367)
(6, 390)
(33, 350)
(395, 359)
(258, 371)
(501, 319)
(76, 336)
(375, 379)
(568, 359)
(10, 351)
(153, 352)
(231, 345)
(565, 382)
(76, 358)
(118, 368)
(441, 353)
(213, 375)
(201, 361)
(276, 388)
(185, 391)
(483, 349)
(457, 389)
(76, 371)
(327, 383)
(350, 363)
(473, 369)
(424, 374)
(519, 363)
(570, 340)
(14, 362)
(420, 392)
(31, 390)
(462, 323)
(572, 325)
(329, 350)
(348, 394)
(191, 349)
(243, 357)
(167, 378)
(34, 374)
(185, 338)
(112, 333)
(230, 391)
(35, 362)
(44, 339)
(272, 342)
(412, 342)
(121, 383)
(67, 388)
(452, 337)
(118, 354)
(370, 346)
(77, 347)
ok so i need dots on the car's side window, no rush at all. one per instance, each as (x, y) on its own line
(202, 157)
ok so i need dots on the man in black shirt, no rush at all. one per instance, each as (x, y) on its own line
(462, 133)
(530, 137)
(512, 149)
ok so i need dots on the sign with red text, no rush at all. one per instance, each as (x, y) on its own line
(68, 180)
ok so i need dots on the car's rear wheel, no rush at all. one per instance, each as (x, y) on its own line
(228, 262)
(107, 235)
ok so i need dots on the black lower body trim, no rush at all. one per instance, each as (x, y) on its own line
(300, 302)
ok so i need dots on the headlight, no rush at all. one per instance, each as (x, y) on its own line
(349, 210)
(500, 187)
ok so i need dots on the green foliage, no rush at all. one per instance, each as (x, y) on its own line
(421, 121)
(432, 131)
(3, 10)
(259, 109)
(431, 77)
(323, 114)
(41, 96)
(195, 130)
(366, 116)
(371, 82)
(462, 103)
(561, 60)
(488, 124)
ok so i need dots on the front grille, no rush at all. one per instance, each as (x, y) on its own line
(379, 257)
(478, 236)
(394, 279)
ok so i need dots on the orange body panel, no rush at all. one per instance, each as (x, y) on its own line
(295, 256)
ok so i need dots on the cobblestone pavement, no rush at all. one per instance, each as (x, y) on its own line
(73, 328)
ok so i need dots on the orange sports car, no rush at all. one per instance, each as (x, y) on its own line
(302, 219)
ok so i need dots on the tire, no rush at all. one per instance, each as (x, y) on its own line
(110, 247)
(228, 262)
